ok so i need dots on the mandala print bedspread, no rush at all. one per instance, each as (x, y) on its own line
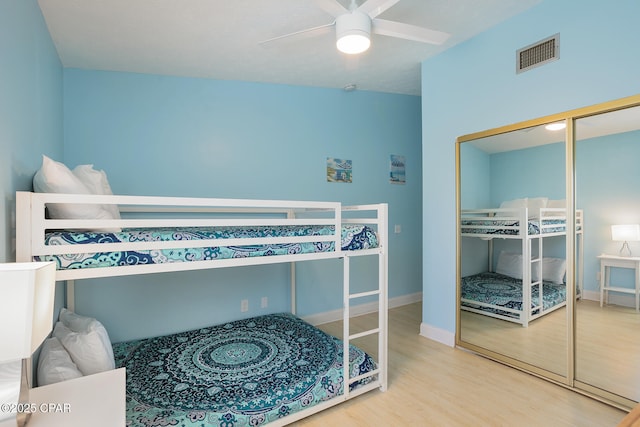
(504, 291)
(244, 373)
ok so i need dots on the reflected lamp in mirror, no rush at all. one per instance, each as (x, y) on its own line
(27, 293)
(625, 233)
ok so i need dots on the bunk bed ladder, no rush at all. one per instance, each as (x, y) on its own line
(536, 262)
(348, 336)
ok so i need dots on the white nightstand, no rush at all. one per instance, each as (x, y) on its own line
(95, 400)
(608, 261)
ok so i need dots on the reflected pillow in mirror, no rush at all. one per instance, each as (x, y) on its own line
(512, 204)
(561, 203)
(535, 204)
(553, 270)
(510, 264)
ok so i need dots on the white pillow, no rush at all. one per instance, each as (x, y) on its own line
(510, 264)
(562, 203)
(512, 204)
(534, 204)
(553, 270)
(87, 342)
(97, 183)
(55, 364)
(55, 177)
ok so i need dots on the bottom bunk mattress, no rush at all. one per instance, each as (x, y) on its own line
(243, 373)
(502, 291)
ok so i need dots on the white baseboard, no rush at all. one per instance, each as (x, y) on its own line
(360, 309)
(436, 334)
(615, 298)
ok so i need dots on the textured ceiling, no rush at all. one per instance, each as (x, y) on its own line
(219, 39)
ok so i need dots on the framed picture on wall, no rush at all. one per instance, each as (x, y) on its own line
(339, 170)
(397, 169)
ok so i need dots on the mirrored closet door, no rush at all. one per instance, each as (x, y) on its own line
(607, 336)
(542, 282)
(506, 308)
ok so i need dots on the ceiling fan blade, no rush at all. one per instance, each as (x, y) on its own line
(374, 8)
(332, 7)
(308, 32)
(408, 32)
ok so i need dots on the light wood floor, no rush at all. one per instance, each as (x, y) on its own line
(431, 384)
(607, 344)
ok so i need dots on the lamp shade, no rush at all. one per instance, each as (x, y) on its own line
(353, 31)
(27, 292)
(625, 232)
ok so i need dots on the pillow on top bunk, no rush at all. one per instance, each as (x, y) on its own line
(512, 204)
(87, 342)
(97, 182)
(55, 177)
(561, 203)
(533, 204)
(55, 364)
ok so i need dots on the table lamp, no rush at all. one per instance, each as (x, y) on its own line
(27, 292)
(625, 233)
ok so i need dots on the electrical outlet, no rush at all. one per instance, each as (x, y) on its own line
(598, 276)
(397, 229)
(264, 302)
(244, 305)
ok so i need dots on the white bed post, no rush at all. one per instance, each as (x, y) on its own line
(526, 268)
(383, 286)
(70, 295)
(292, 278)
(292, 274)
(346, 369)
(23, 227)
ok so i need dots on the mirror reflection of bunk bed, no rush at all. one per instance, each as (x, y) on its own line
(272, 369)
(523, 286)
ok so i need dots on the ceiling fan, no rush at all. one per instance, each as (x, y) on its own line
(354, 26)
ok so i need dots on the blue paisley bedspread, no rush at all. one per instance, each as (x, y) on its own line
(243, 373)
(506, 292)
(353, 237)
(497, 226)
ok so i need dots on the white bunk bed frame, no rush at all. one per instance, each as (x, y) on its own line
(514, 223)
(31, 224)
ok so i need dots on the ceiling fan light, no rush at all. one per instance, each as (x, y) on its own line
(352, 32)
(353, 43)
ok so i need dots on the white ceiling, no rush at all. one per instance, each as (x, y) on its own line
(219, 39)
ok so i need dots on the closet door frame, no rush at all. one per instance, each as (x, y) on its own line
(570, 118)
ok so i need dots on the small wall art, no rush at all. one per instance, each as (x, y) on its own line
(397, 170)
(339, 170)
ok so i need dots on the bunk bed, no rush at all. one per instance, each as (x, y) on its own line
(287, 368)
(524, 286)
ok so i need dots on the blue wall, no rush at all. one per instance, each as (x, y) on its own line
(608, 189)
(474, 86)
(30, 109)
(158, 135)
(30, 106)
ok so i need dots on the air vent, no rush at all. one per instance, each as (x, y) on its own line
(538, 54)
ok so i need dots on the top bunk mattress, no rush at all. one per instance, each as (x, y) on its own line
(353, 237)
(510, 227)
